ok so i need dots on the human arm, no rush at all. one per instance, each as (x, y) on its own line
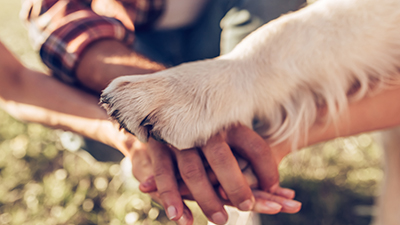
(32, 96)
(94, 65)
(86, 42)
(376, 112)
(371, 113)
(99, 62)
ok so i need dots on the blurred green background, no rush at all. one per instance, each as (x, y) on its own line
(42, 183)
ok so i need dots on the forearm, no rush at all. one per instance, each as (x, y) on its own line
(369, 114)
(32, 96)
(106, 60)
(61, 109)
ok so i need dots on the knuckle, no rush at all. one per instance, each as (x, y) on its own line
(219, 155)
(192, 172)
(166, 193)
(240, 191)
(162, 171)
(210, 206)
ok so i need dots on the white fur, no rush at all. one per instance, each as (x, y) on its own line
(273, 81)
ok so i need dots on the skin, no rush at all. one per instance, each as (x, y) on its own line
(380, 111)
(108, 59)
(33, 96)
(23, 93)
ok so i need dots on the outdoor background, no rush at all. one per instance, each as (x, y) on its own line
(43, 183)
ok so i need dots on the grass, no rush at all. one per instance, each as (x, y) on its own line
(42, 183)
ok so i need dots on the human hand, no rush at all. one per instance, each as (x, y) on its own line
(234, 188)
(32, 96)
(142, 169)
(124, 11)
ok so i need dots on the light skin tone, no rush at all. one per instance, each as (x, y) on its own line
(32, 96)
(380, 111)
(23, 91)
(217, 151)
(108, 59)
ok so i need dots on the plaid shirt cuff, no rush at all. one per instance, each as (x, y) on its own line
(63, 48)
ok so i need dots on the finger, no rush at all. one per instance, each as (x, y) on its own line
(251, 146)
(212, 177)
(266, 207)
(223, 194)
(262, 198)
(285, 192)
(149, 185)
(195, 177)
(187, 216)
(164, 176)
(226, 169)
(252, 180)
(261, 206)
(142, 167)
(184, 190)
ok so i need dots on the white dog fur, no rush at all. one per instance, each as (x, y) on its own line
(275, 80)
(327, 54)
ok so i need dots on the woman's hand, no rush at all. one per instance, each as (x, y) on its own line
(223, 181)
(32, 96)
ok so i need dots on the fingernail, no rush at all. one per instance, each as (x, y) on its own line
(246, 205)
(292, 203)
(272, 205)
(218, 218)
(184, 219)
(172, 212)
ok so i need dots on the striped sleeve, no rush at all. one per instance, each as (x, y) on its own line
(62, 29)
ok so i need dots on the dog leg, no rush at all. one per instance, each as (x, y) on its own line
(274, 80)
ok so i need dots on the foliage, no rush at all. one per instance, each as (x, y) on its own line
(336, 182)
(41, 183)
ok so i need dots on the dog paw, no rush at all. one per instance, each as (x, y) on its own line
(183, 106)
